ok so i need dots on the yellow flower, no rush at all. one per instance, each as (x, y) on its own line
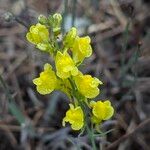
(70, 37)
(38, 34)
(65, 66)
(75, 117)
(87, 85)
(47, 81)
(101, 111)
(81, 49)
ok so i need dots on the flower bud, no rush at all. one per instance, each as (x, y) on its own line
(57, 19)
(55, 22)
(42, 20)
(46, 47)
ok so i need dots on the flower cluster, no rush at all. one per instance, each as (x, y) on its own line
(65, 75)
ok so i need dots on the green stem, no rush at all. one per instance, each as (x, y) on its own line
(91, 136)
(83, 107)
(123, 51)
(74, 12)
(64, 15)
(137, 53)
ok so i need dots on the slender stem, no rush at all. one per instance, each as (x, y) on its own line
(91, 136)
(123, 50)
(74, 12)
(83, 107)
(21, 22)
(64, 14)
(132, 61)
(8, 16)
(136, 58)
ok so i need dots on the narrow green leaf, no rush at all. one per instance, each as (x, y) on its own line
(14, 109)
(105, 133)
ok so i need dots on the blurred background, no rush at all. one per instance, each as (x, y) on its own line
(120, 33)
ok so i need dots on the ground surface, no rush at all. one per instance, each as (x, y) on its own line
(121, 58)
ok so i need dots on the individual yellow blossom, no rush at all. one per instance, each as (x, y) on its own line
(101, 111)
(87, 85)
(38, 34)
(75, 117)
(47, 81)
(65, 65)
(81, 48)
(70, 37)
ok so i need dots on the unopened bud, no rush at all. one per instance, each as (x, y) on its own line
(57, 19)
(55, 23)
(42, 20)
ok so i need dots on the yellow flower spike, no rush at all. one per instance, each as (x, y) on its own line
(65, 66)
(101, 111)
(38, 34)
(81, 49)
(47, 81)
(87, 85)
(75, 117)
